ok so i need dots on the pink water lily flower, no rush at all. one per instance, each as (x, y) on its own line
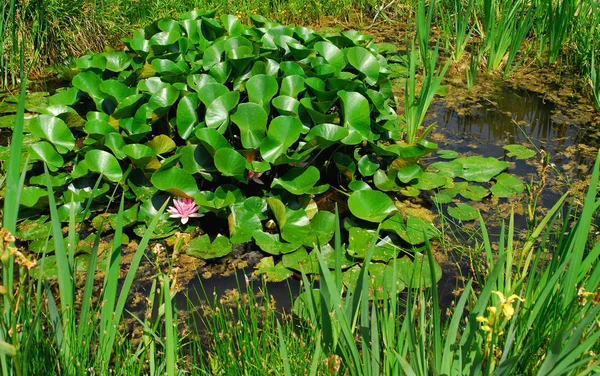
(184, 208)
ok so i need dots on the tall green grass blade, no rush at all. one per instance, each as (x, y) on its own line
(107, 339)
(283, 351)
(171, 338)
(314, 366)
(85, 323)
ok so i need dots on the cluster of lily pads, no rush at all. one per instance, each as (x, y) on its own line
(258, 125)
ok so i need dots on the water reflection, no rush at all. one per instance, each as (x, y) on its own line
(509, 116)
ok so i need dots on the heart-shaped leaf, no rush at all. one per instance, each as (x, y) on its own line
(217, 113)
(43, 151)
(261, 89)
(282, 133)
(463, 212)
(54, 130)
(231, 163)
(364, 61)
(355, 110)
(105, 164)
(272, 272)
(372, 206)
(273, 244)
(175, 181)
(251, 119)
(242, 223)
(297, 180)
(203, 248)
(187, 115)
(507, 185)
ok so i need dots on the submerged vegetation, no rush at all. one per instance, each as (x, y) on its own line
(208, 131)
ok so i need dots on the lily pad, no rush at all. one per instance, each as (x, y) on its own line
(372, 206)
(518, 151)
(507, 185)
(463, 212)
(412, 230)
(203, 248)
(272, 272)
(298, 180)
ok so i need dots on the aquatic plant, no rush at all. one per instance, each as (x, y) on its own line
(201, 107)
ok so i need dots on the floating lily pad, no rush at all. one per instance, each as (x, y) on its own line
(372, 206)
(412, 231)
(447, 154)
(463, 212)
(507, 185)
(272, 272)
(203, 248)
(518, 151)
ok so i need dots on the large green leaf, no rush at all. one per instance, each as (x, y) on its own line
(286, 105)
(45, 152)
(507, 185)
(364, 61)
(298, 180)
(326, 134)
(261, 89)
(372, 206)
(292, 85)
(105, 164)
(296, 227)
(161, 101)
(242, 223)
(217, 113)
(356, 117)
(231, 163)
(176, 181)
(332, 54)
(251, 119)
(272, 272)
(480, 169)
(128, 106)
(89, 83)
(463, 212)
(413, 230)
(187, 115)
(203, 248)
(282, 133)
(322, 229)
(30, 196)
(195, 158)
(273, 244)
(212, 140)
(116, 90)
(300, 261)
(54, 130)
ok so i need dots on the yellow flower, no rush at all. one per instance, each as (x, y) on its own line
(507, 304)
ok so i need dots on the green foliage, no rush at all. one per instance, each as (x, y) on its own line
(208, 108)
